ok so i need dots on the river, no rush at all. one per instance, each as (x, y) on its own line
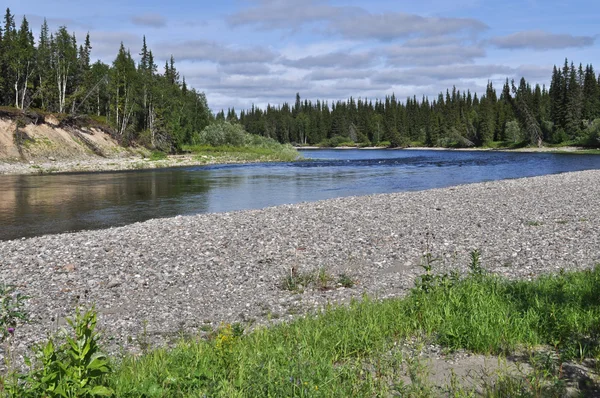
(48, 204)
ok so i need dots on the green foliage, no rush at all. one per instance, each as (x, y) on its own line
(326, 354)
(513, 131)
(345, 281)
(337, 141)
(12, 310)
(157, 155)
(593, 134)
(319, 280)
(230, 142)
(75, 368)
(222, 134)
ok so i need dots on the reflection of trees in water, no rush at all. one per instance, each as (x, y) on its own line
(34, 205)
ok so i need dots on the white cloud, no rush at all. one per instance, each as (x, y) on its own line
(541, 40)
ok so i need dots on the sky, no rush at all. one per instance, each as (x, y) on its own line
(245, 52)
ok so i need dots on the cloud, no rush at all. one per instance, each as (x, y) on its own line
(540, 40)
(246, 69)
(444, 54)
(338, 73)
(151, 20)
(201, 50)
(426, 76)
(392, 26)
(349, 22)
(358, 60)
(283, 14)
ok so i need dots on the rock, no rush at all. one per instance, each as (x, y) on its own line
(158, 275)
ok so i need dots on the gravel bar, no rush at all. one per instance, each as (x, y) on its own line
(156, 280)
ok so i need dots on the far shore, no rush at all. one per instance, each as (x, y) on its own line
(98, 164)
(569, 149)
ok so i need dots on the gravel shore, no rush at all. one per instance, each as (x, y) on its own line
(154, 281)
(96, 164)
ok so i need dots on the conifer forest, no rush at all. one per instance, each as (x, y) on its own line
(153, 106)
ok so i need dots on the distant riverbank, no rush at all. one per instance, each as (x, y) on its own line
(564, 149)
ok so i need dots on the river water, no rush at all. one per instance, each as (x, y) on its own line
(48, 204)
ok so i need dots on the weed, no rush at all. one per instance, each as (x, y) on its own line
(12, 310)
(535, 223)
(475, 268)
(75, 368)
(322, 279)
(345, 281)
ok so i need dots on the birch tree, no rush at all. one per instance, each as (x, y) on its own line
(64, 63)
(123, 84)
(23, 63)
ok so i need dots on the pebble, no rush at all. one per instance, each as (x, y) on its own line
(228, 267)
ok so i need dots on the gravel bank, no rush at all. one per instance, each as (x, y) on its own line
(154, 280)
(96, 164)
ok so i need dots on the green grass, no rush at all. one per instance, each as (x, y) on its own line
(349, 350)
(244, 153)
(157, 155)
(506, 145)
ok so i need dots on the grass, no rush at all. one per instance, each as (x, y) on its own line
(157, 155)
(354, 350)
(349, 351)
(208, 154)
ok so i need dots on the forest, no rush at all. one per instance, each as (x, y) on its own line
(566, 113)
(157, 109)
(55, 74)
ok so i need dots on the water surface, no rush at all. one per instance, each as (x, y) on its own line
(37, 205)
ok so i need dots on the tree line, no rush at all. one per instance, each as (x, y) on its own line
(55, 75)
(157, 109)
(567, 112)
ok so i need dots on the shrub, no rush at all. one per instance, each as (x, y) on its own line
(593, 134)
(11, 310)
(219, 134)
(75, 368)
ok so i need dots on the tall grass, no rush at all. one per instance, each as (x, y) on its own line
(350, 350)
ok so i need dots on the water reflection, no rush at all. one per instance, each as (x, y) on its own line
(36, 205)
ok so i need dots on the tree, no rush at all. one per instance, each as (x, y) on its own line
(64, 63)
(43, 66)
(123, 85)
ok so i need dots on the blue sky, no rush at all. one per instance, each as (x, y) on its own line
(244, 52)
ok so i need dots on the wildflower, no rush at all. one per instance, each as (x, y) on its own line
(11, 331)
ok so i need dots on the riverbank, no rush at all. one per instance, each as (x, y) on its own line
(157, 280)
(559, 149)
(137, 162)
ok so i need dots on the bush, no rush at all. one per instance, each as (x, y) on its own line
(337, 141)
(593, 134)
(75, 368)
(219, 134)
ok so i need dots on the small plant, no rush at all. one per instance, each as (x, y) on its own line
(11, 310)
(297, 280)
(428, 280)
(323, 279)
(475, 268)
(345, 281)
(75, 368)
